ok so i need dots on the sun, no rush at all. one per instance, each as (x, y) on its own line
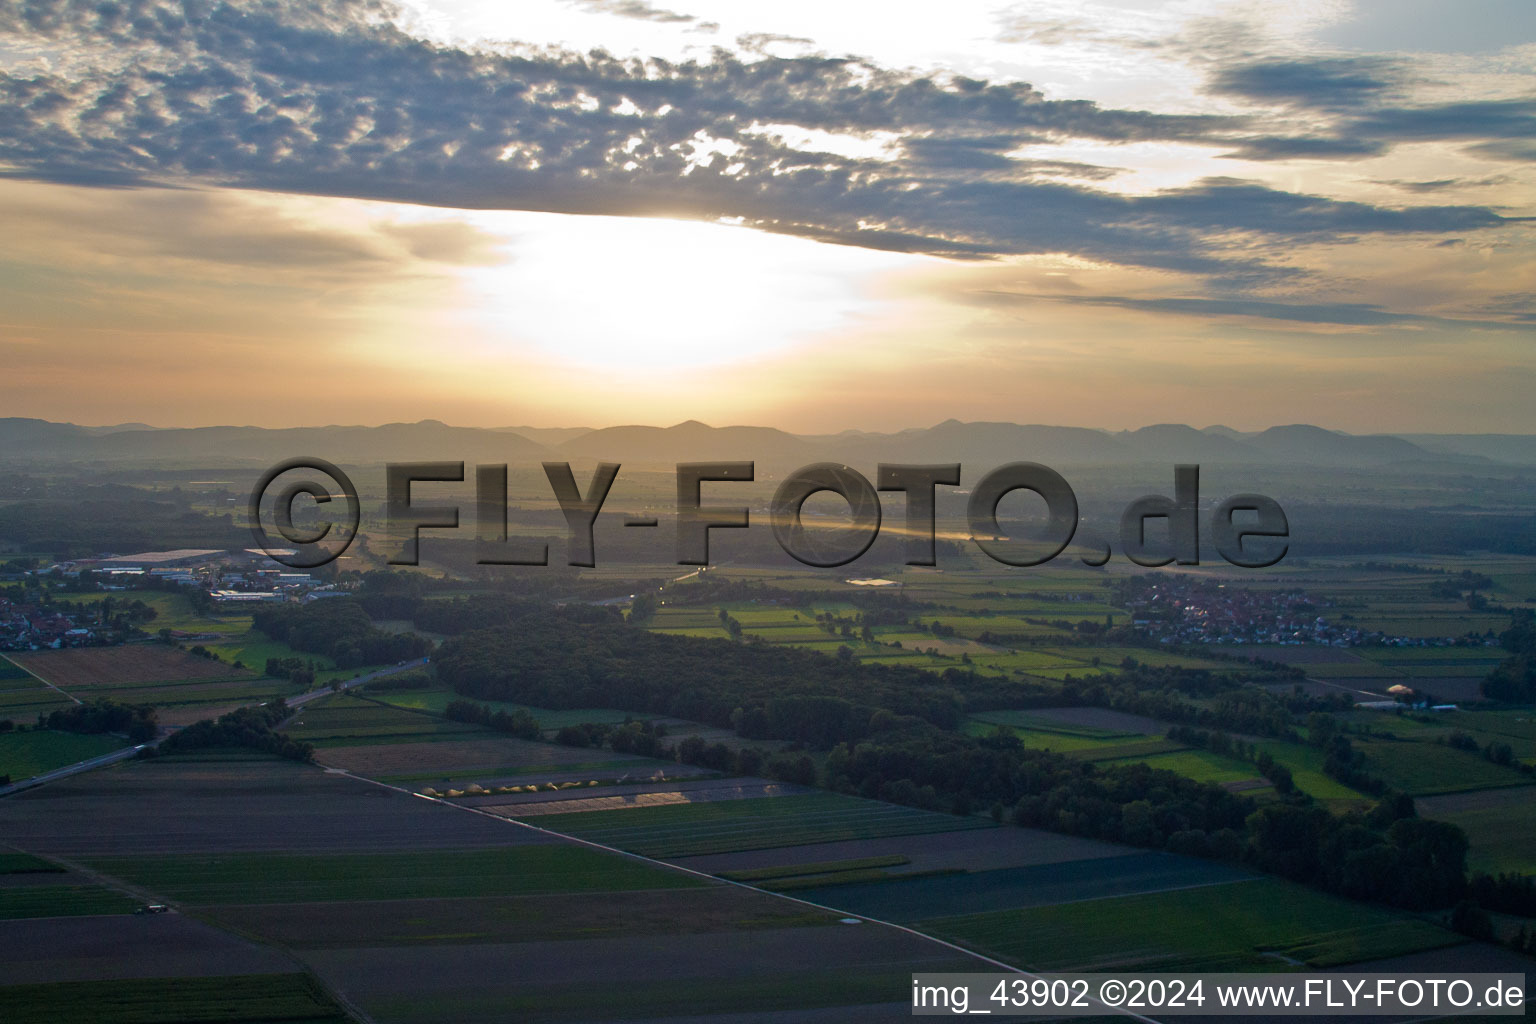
(665, 295)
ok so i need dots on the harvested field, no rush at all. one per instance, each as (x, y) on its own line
(682, 830)
(24, 704)
(87, 669)
(1303, 654)
(149, 946)
(569, 916)
(907, 900)
(151, 807)
(259, 999)
(459, 758)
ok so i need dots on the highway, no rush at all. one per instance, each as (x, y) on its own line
(305, 698)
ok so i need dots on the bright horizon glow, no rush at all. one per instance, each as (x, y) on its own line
(1340, 234)
(665, 296)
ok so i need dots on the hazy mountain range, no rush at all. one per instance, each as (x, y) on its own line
(33, 440)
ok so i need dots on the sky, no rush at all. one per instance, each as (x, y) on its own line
(809, 215)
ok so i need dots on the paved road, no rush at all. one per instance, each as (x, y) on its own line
(305, 698)
(127, 752)
(68, 770)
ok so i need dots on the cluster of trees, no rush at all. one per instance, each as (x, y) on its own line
(137, 721)
(116, 613)
(295, 669)
(1506, 893)
(1388, 855)
(1497, 752)
(338, 629)
(385, 594)
(646, 739)
(1514, 679)
(487, 611)
(1228, 704)
(121, 520)
(250, 728)
(519, 723)
(1343, 762)
(572, 658)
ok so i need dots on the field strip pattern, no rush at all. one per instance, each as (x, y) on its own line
(680, 830)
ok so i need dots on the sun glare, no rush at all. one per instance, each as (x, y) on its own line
(658, 295)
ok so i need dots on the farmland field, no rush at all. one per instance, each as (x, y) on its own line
(1200, 765)
(259, 999)
(906, 900)
(293, 878)
(1241, 926)
(266, 805)
(56, 900)
(480, 755)
(1423, 769)
(513, 918)
(424, 912)
(346, 719)
(125, 946)
(681, 830)
(25, 754)
(1500, 824)
(24, 705)
(26, 864)
(88, 669)
(436, 700)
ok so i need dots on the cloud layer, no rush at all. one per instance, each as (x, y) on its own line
(332, 98)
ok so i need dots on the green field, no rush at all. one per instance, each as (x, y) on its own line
(242, 999)
(1500, 841)
(1500, 826)
(348, 719)
(1083, 743)
(23, 696)
(1422, 769)
(174, 611)
(681, 830)
(29, 753)
(26, 864)
(435, 701)
(252, 648)
(22, 705)
(61, 901)
(1306, 765)
(1200, 765)
(1228, 927)
(293, 878)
